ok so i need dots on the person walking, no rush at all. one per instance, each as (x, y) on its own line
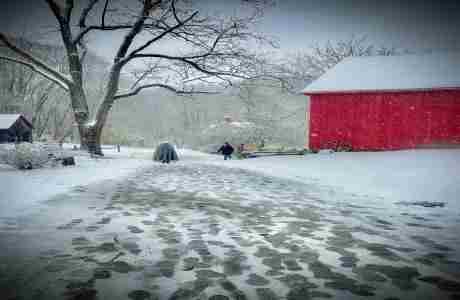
(226, 150)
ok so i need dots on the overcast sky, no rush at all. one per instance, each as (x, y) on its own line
(299, 24)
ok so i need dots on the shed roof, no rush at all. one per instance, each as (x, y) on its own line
(7, 120)
(391, 73)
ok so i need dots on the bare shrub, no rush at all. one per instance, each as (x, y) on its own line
(24, 155)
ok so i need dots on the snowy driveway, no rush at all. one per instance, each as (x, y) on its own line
(197, 231)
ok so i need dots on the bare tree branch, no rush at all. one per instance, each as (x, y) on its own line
(144, 74)
(58, 77)
(86, 29)
(68, 10)
(82, 25)
(85, 13)
(75, 66)
(160, 85)
(173, 6)
(136, 28)
(34, 68)
(84, 51)
(104, 11)
(102, 28)
(114, 77)
(41, 102)
(189, 61)
(56, 9)
(163, 34)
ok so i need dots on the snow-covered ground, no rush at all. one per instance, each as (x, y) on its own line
(324, 225)
(21, 190)
(384, 177)
(391, 182)
(396, 176)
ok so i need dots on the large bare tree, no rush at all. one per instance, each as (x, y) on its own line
(168, 44)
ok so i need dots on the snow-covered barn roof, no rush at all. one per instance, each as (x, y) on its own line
(7, 120)
(390, 73)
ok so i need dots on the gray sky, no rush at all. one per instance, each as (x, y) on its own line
(407, 24)
(299, 24)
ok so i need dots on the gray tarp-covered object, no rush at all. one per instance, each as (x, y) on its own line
(165, 153)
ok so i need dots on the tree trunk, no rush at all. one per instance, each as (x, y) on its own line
(81, 114)
(104, 109)
(91, 134)
(90, 137)
(83, 133)
(97, 141)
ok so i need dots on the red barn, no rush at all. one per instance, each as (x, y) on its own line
(387, 103)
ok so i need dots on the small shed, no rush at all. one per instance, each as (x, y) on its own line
(15, 128)
(387, 103)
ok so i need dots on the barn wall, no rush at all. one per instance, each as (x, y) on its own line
(385, 121)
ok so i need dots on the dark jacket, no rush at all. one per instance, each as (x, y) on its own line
(226, 149)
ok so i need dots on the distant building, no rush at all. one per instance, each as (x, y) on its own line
(15, 128)
(387, 103)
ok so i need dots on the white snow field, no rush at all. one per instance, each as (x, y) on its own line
(431, 175)
(21, 190)
(301, 227)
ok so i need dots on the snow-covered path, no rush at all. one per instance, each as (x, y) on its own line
(196, 229)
